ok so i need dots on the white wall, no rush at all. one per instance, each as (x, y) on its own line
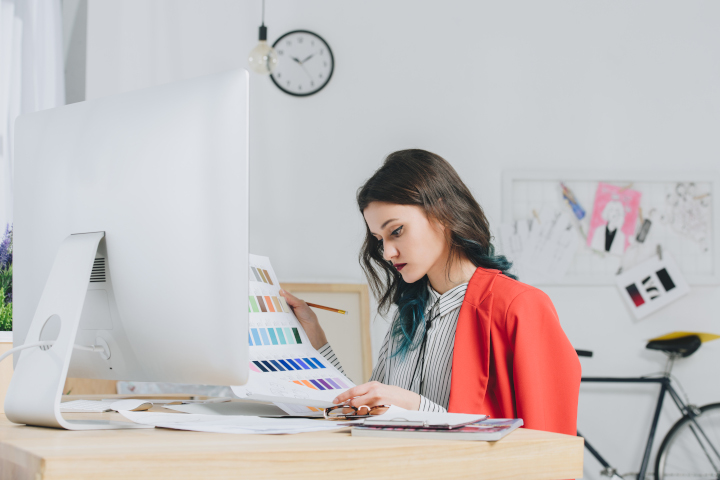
(488, 85)
(74, 13)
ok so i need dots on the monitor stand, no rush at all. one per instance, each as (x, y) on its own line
(35, 390)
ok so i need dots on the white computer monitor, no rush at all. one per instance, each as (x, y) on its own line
(163, 174)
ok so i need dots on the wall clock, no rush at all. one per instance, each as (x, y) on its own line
(305, 63)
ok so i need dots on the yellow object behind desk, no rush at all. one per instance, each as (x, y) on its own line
(704, 337)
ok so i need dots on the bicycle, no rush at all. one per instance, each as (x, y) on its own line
(691, 449)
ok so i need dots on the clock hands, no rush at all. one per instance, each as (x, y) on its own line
(308, 73)
(300, 62)
(297, 60)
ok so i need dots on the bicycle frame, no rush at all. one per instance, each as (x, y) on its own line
(665, 387)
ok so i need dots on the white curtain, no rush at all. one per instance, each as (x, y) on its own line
(31, 75)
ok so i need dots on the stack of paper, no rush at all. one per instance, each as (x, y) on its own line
(397, 416)
(397, 422)
(232, 423)
(489, 430)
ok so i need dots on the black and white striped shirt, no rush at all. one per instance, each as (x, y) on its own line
(404, 372)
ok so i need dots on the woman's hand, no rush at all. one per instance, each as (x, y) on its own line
(376, 393)
(307, 318)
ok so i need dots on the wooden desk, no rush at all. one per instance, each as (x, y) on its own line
(35, 453)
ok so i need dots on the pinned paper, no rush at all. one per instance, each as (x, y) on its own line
(542, 249)
(651, 285)
(615, 213)
(689, 213)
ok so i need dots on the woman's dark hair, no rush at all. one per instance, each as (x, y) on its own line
(418, 177)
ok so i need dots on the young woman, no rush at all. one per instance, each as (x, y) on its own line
(467, 336)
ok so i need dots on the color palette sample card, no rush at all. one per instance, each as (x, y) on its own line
(284, 367)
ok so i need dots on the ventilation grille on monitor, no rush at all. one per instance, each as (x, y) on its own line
(98, 271)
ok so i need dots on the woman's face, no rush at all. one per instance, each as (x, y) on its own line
(414, 243)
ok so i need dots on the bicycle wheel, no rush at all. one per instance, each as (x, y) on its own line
(691, 452)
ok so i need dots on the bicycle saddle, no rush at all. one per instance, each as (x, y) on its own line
(685, 346)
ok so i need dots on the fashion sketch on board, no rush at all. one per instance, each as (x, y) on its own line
(612, 224)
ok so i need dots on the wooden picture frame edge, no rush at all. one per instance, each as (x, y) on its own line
(364, 293)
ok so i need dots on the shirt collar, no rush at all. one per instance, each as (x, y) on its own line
(449, 300)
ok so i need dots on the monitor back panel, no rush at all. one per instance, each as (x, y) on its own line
(164, 173)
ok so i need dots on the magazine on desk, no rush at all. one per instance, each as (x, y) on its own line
(490, 430)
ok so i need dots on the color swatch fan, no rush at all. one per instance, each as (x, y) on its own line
(284, 367)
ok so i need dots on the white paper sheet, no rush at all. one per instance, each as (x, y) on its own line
(651, 285)
(513, 237)
(269, 388)
(104, 405)
(231, 408)
(543, 252)
(232, 423)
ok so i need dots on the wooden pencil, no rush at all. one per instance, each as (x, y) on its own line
(342, 312)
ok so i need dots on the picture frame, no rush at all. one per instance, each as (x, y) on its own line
(525, 191)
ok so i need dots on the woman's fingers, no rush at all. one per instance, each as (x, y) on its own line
(366, 400)
(307, 319)
(353, 392)
(291, 299)
(301, 309)
(348, 394)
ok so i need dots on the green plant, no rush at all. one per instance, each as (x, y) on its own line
(6, 275)
(5, 312)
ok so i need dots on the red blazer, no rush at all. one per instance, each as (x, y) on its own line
(512, 358)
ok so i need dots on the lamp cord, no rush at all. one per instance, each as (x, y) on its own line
(263, 13)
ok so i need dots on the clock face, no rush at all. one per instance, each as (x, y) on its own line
(305, 63)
